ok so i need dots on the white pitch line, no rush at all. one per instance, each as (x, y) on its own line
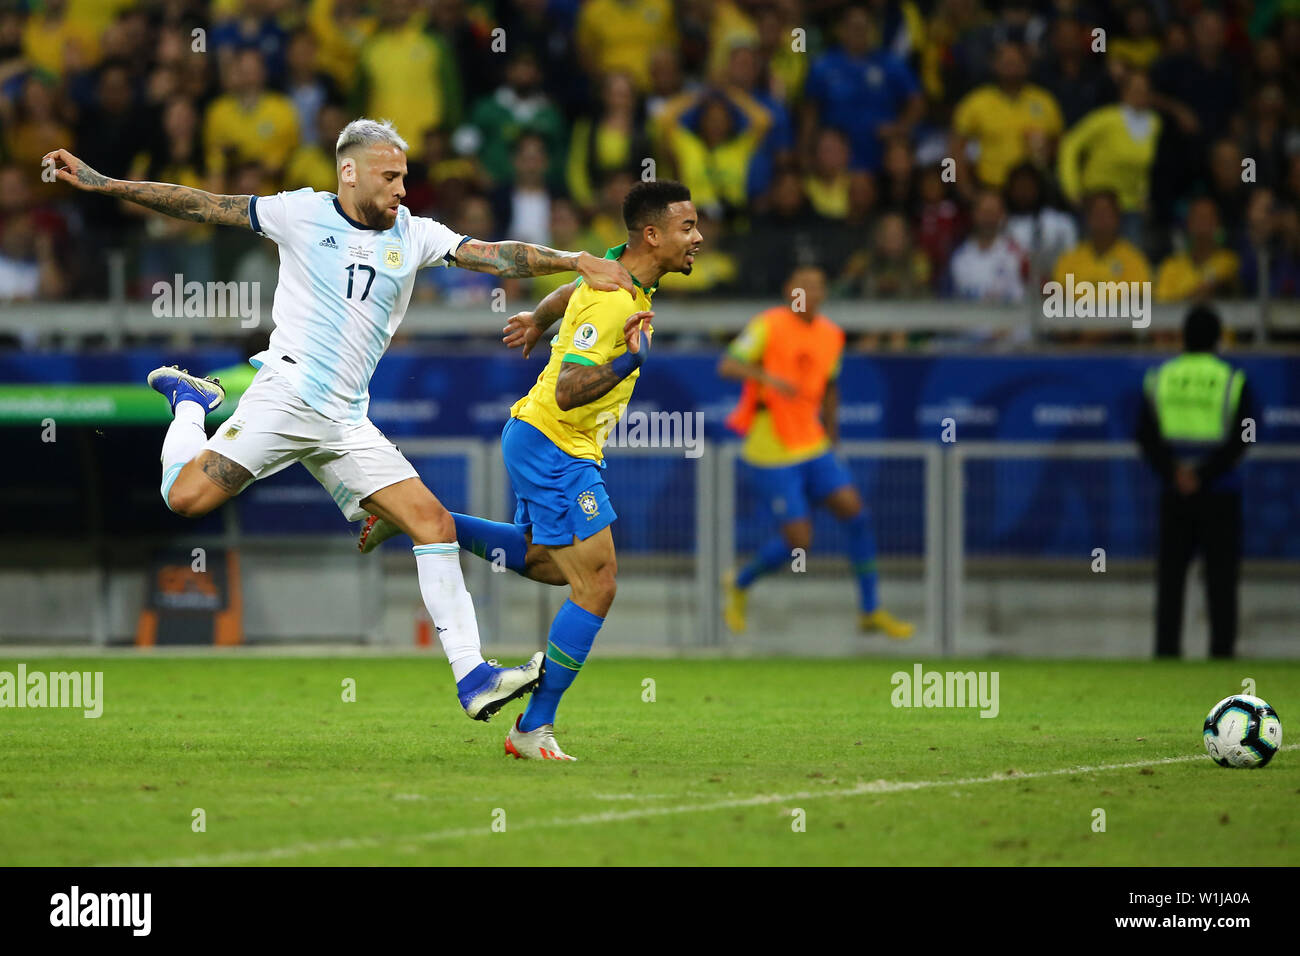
(237, 857)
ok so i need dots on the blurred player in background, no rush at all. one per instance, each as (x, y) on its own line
(347, 266)
(789, 359)
(553, 445)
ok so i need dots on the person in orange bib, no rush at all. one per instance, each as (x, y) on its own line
(789, 360)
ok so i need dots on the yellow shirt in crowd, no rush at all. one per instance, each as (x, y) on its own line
(1100, 153)
(266, 133)
(621, 35)
(1002, 124)
(1122, 262)
(1180, 278)
(411, 97)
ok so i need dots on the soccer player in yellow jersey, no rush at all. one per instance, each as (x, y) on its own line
(552, 444)
(789, 359)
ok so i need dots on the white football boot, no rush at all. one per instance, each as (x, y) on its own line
(502, 686)
(536, 744)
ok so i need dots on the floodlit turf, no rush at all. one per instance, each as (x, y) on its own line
(711, 772)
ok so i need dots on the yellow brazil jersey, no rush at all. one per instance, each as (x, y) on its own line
(1002, 126)
(1100, 152)
(1181, 278)
(1139, 52)
(339, 41)
(829, 199)
(46, 39)
(763, 446)
(719, 174)
(403, 69)
(1122, 262)
(591, 333)
(267, 132)
(312, 166)
(621, 35)
(789, 69)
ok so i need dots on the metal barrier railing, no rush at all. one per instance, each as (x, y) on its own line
(1129, 537)
(695, 516)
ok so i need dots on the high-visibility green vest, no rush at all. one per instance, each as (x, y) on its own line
(1195, 397)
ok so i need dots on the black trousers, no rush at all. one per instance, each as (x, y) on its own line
(1209, 523)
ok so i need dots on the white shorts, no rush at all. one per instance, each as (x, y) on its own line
(273, 427)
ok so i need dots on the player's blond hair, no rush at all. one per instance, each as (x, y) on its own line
(363, 132)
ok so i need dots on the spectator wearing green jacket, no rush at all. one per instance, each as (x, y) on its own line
(518, 106)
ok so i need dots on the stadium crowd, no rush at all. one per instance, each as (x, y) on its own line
(951, 149)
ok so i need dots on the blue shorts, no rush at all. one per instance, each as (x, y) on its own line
(790, 491)
(560, 496)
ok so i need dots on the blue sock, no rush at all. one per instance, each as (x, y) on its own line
(487, 538)
(862, 554)
(770, 557)
(474, 680)
(572, 633)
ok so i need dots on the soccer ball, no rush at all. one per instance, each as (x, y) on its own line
(1242, 731)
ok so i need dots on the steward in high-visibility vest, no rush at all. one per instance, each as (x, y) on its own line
(1197, 419)
(1196, 397)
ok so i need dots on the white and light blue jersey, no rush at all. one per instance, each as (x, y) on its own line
(343, 289)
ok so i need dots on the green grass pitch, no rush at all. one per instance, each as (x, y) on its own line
(711, 772)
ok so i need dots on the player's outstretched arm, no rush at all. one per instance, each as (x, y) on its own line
(578, 384)
(518, 260)
(831, 411)
(182, 202)
(526, 328)
(730, 367)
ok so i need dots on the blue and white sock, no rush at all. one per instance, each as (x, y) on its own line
(442, 586)
(185, 438)
(572, 633)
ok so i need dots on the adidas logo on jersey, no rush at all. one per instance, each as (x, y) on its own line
(329, 243)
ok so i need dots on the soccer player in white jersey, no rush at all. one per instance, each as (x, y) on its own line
(347, 266)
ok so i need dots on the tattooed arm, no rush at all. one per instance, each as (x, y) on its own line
(182, 202)
(579, 384)
(516, 260)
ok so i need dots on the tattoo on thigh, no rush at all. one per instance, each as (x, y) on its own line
(228, 475)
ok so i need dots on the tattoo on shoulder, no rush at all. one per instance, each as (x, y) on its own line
(226, 474)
